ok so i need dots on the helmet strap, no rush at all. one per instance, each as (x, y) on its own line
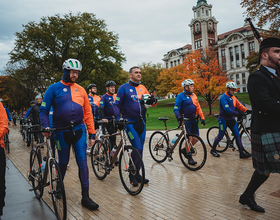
(186, 91)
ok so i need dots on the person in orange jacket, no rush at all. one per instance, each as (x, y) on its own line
(4, 128)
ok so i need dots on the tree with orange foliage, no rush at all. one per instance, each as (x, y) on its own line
(203, 68)
(167, 80)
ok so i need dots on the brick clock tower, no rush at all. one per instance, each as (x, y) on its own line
(203, 26)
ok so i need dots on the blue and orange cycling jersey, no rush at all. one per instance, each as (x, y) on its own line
(94, 102)
(128, 101)
(187, 105)
(107, 104)
(70, 103)
(227, 107)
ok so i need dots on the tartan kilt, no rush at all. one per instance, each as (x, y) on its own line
(263, 147)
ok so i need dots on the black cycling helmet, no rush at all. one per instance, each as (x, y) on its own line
(32, 102)
(90, 86)
(110, 83)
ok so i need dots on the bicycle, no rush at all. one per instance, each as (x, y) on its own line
(39, 178)
(7, 142)
(160, 147)
(227, 141)
(103, 163)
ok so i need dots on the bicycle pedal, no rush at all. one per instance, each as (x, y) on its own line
(170, 159)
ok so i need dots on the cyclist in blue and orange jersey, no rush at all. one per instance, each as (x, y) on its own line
(93, 99)
(71, 104)
(28, 111)
(106, 111)
(187, 104)
(131, 104)
(228, 102)
(4, 128)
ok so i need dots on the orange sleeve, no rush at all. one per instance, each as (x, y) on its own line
(239, 105)
(4, 127)
(198, 108)
(88, 114)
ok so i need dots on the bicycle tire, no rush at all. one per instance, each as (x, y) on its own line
(157, 146)
(98, 159)
(212, 133)
(198, 153)
(246, 141)
(35, 173)
(57, 191)
(127, 168)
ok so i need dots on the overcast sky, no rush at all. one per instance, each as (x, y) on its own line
(147, 29)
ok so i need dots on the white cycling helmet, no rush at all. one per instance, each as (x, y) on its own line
(145, 98)
(231, 85)
(1, 100)
(187, 82)
(72, 64)
(38, 97)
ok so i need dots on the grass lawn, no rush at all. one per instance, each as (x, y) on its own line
(165, 108)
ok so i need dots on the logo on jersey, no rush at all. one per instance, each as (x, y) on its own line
(64, 90)
(135, 98)
(131, 90)
(76, 90)
(43, 104)
(118, 98)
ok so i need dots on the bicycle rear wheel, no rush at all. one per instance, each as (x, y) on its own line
(212, 133)
(35, 173)
(129, 169)
(99, 159)
(198, 153)
(246, 140)
(57, 191)
(158, 145)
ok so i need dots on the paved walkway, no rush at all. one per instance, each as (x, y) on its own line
(174, 192)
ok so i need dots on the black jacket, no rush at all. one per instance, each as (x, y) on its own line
(34, 114)
(264, 92)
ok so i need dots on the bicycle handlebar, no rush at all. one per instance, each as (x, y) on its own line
(48, 130)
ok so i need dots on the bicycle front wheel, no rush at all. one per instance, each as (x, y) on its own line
(246, 140)
(99, 159)
(196, 157)
(57, 191)
(158, 145)
(131, 167)
(212, 133)
(35, 173)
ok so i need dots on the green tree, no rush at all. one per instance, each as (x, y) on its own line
(265, 12)
(150, 72)
(252, 61)
(44, 46)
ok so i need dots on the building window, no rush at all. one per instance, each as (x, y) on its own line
(171, 63)
(166, 65)
(207, 13)
(197, 27)
(251, 46)
(243, 78)
(223, 53)
(198, 14)
(224, 66)
(237, 56)
(231, 57)
(244, 89)
(178, 62)
(243, 54)
(210, 26)
(175, 63)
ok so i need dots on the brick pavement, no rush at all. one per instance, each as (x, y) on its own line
(174, 192)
